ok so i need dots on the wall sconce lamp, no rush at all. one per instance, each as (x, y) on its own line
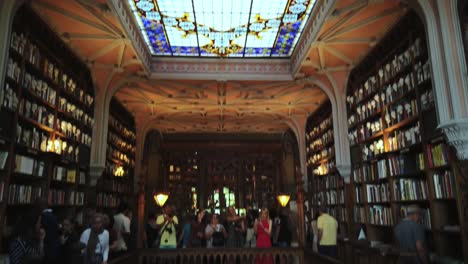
(160, 198)
(283, 199)
(119, 171)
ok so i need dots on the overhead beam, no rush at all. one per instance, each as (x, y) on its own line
(367, 21)
(339, 54)
(101, 17)
(106, 49)
(73, 16)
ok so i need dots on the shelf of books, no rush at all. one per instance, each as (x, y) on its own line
(183, 174)
(328, 188)
(116, 183)
(47, 106)
(398, 156)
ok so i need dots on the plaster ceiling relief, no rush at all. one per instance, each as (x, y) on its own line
(203, 106)
(93, 32)
(349, 33)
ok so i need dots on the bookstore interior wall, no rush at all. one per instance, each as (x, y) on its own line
(398, 156)
(47, 113)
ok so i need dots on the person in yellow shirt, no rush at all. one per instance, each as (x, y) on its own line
(167, 224)
(327, 232)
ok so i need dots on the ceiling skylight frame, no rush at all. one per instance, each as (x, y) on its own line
(159, 40)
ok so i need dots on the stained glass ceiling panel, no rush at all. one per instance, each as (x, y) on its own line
(222, 28)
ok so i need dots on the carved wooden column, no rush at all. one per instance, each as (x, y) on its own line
(300, 208)
(141, 210)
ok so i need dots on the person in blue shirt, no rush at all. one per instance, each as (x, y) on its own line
(410, 235)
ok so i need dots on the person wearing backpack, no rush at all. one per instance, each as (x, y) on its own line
(215, 233)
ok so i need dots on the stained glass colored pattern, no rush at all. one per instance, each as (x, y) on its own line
(222, 28)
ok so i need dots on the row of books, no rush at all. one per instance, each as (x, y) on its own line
(366, 131)
(385, 74)
(400, 111)
(332, 197)
(316, 130)
(2, 190)
(64, 174)
(405, 164)
(370, 172)
(410, 190)
(10, 98)
(437, 155)
(121, 143)
(343, 214)
(117, 154)
(399, 87)
(29, 166)
(39, 88)
(122, 129)
(425, 215)
(359, 215)
(377, 193)
(328, 182)
(61, 197)
(404, 138)
(423, 72)
(75, 111)
(373, 149)
(3, 159)
(114, 186)
(13, 70)
(427, 100)
(23, 194)
(359, 194)
(380, 215)
(318, 143)
(107, 200)
(444, 185)
(35, 57)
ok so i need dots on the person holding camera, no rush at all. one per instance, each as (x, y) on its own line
(215, 233)
(167, 223)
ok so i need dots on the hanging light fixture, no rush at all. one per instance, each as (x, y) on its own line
(160, 198)
(283, 199)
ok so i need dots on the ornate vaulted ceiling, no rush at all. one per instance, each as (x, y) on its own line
(216, 105)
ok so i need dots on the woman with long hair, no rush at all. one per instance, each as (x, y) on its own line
(262, 227)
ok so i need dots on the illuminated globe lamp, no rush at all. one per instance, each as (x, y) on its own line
(160, 198)
(283, 199)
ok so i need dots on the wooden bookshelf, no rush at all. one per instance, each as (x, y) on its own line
(398, 156)
(116, 183)
(47, 112)
(327, 185)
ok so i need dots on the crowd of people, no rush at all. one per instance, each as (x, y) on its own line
(40, 237)
(210, 230)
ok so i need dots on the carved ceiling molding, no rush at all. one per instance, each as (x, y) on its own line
(313, 27)
(457, 136)
(133, 32)
(221, 69)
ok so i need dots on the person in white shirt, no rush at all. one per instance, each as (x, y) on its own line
(122, 227)
(215, 233)
(96, 240)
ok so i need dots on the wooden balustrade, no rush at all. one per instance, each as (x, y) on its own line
(214, 256)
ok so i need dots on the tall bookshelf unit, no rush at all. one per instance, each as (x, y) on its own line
(398, 156)
(46, 115)
(328, 188)
(183, 175)
(116, 183)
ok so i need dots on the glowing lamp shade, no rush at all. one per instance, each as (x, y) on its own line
(283, 199)
(160, 198)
